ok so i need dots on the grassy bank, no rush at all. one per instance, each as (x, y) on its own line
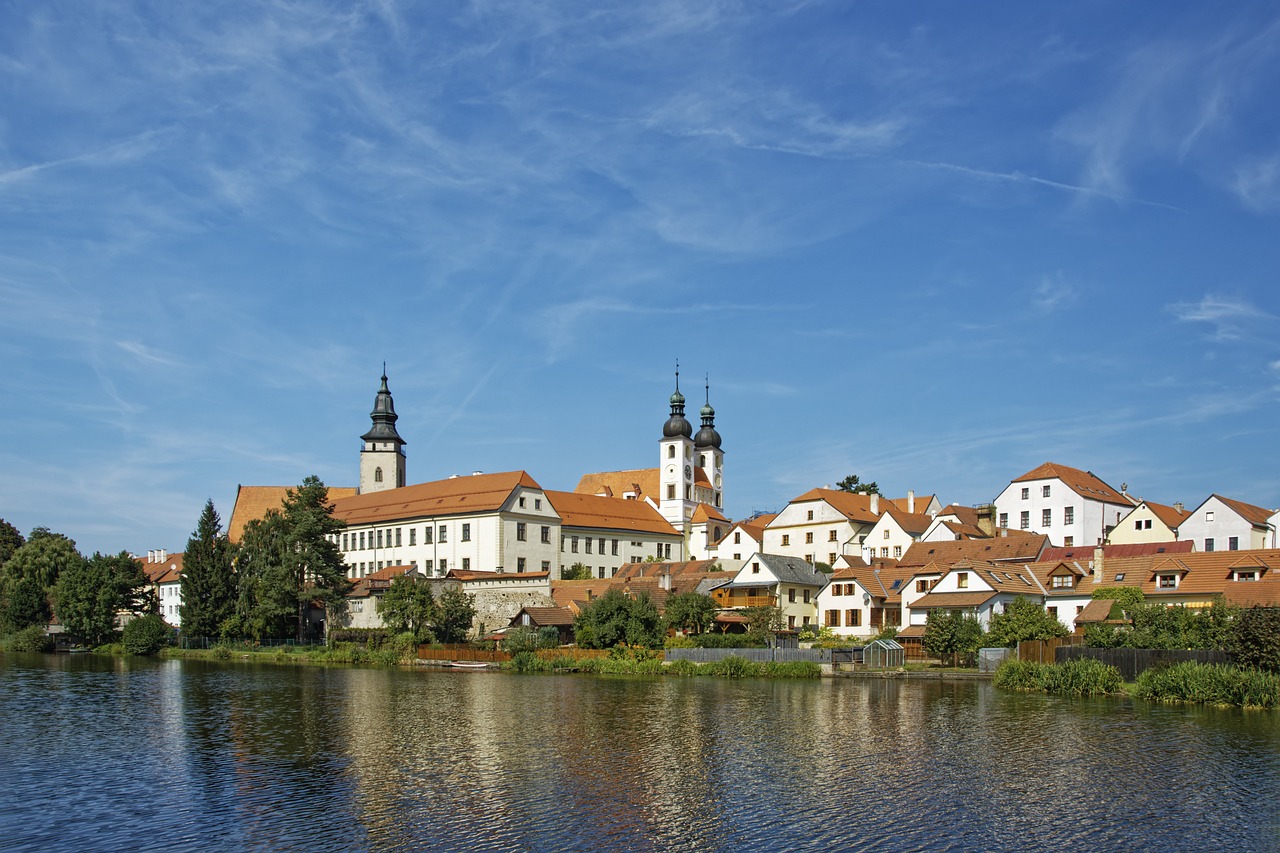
(641, 662)
(1190, 682)
(394, 653)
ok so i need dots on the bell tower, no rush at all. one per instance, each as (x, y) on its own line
(382, 461)
(709, 456)
(675, 465)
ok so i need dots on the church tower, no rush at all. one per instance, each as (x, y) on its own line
(382, 454)
(710, 458)
(675, 466)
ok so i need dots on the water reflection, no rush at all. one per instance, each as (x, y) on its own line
(112, 753)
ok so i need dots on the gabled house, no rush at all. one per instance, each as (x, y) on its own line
(860, 601)
(976, 589)
(822, 525)
(707, 526)
(743, 538)
(1223, 524)
(364, 595)
(894, 533)
(959, 522)
(1070, 506)
(1148, 522)
(789, 583)
(164, 572)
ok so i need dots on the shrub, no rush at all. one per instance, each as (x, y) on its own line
(679, 641)
(682, 667)
(145, 635)
(1080, 677)
(1210, 684)
(31, 639)
(1254, 638)
(791, 669)
(729, 641)
(732, 667)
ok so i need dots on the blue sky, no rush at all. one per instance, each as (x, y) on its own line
(933, 244)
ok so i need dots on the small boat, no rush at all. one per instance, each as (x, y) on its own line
(468, 664)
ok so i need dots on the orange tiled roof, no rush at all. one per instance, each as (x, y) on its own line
(853, 506)
(1084, 483)
(1255, 515)
(952, 599)
(1170, 516)
(1201, 574)
(966, 515)
(618, 483)
(1261, 593)
(167, 570)
(253, 502)
(591, 511)
(454, 496)
(1002, 548)
(965, 531)
(1138, 549)
(905, 503)
(706, 512)
(544, 616)
(912, 523)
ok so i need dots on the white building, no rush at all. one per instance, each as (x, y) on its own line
(975, 589)
(1222, 524)
(822, 525)
(743, 538)
(603, 534)
(164, 571)
(1070, 506)
(790, 584)
(1148, 522)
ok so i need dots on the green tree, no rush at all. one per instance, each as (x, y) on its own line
(951, 634)
(93, 593)
(1254, 638)
(288, 560)
(409, 606)
(454, 614)
(853, 484)
(208, 577)
(576, 572)
(615, 618)
(28, 579)
(1023, 619)
(691, 612)
(145, 635)
(1125, 596)
(10, 540)
(764, 620)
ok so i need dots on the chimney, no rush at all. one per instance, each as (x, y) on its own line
(987, 519)
(875, 504)
(911, 501)
(161, 554)
(1097, 564)
(664, 581)
(1178, 507)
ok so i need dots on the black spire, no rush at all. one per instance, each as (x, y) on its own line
(384, 415)
(707, 436)
(676, 424)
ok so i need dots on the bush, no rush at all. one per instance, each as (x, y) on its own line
(1254, 638)
(145, 635)
(1080, 677)
(31, 639)
(729, 641)
(732, 667)
(1210, 684)
(682, 667)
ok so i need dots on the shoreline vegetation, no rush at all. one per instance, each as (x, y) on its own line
(1187, 683)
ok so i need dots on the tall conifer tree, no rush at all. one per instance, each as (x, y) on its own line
(208, 579)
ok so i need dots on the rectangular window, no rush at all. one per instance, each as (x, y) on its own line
(786, 539)
(833, 619)
(413, 536)
(380, 537)
(466, 532)
(522, 503)
(1068, 541)
(573, 544)
(546, 565)
(602, 546)
(791, 595)
(806, 596)
(1233, 543)
(444, 534)
(426, 535)
(808, 558)
(1167, 582)
(520, 531)
(615, 547)
(962, 580)
(1044, 492)
(537, 503)
(428, 565)
(884, 552)
(1046, 518)
(1137, 524)
(344, 542)
(886, 533)
(546, 534)
(1246, 576)
(668, 552)
(808, 538)
(755, 568)
(737, 537)
(831, 558)
(1069, 515)
(444, 566)
(897, 551)
(810, 517)
(853, 618)
(1026, 494)
(1024, 520)
(1208, 544)
(1053, 611)
(587, 544)
(1004, 519)
(1146, 524)
(1063, 581)
(671, 491)
(1208, 515)
(466, 564)
(397, 537)
(361, 540)
(831, 536)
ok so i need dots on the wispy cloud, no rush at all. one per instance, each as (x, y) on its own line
(1230, 318)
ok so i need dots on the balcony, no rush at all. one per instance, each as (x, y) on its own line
(744, 598)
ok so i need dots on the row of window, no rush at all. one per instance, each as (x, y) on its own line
(586, 544)
(808, 537)
(1044, 492)
(363, 569)
(394, 537)
(1046, 518)
(852, 619)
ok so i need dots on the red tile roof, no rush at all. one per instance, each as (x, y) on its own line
(618, 483)
(591, 511)
(1170, 516)
(1010, 548)
(1076, 552)
(1255, 515)
(1084, 483)
(454, 496)
(253, 503)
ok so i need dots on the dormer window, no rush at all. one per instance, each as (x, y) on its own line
(1063, 581)
(962, 580)
(1167, 581)
(1246, 575)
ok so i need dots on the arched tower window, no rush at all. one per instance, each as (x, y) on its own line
(377, 475)
(671, 451)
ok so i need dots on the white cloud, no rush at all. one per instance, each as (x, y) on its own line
(1230, 318)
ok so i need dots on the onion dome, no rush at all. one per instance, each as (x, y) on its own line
(707, 436)
(676, 425)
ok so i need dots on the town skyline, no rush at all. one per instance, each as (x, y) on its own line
(935, 248)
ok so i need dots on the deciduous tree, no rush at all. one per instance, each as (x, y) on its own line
(691, 612)
(10, 540)
(93, 593)
(615, 618)
(1023, 619)
(28, 579)
(951, 634)
(455, 611)
(576, 572)
(408, 605)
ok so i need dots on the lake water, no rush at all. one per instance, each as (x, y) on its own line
(133, 754)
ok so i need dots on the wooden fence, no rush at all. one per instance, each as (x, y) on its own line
(461, 653)
(1130, 662)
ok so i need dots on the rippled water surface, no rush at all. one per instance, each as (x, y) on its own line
(112, 754)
